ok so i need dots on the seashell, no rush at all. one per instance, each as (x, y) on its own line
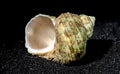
(62, 39)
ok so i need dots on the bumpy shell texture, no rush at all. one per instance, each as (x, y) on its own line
(72, 33)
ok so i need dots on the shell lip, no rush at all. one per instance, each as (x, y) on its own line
(53, 21)
(43, 50)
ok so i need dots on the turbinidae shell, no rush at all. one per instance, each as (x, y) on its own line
(61, 39)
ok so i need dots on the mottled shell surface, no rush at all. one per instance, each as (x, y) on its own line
(72, 33)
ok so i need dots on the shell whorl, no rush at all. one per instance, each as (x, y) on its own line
(72, 33)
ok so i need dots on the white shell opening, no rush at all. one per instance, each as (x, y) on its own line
(40, 34)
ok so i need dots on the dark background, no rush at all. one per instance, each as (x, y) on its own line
(12, 13)
(103, 49)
